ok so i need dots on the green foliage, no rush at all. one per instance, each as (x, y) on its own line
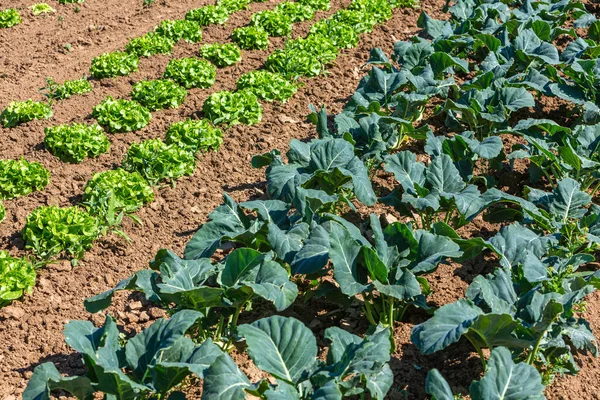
(322, 5)
(208, 15)
(180, 29)
(297, 12)
(17, 277)
(56, 91)
(380, 10)
(150, 44)
(293, 64)
(267, 85)
(221, 55)
(20, 112)
(158, 94)
(194, 136)
(273, 22)
(110, 65)
(55, 231)
(251, 37)
(21, 177)
(157, 161)
(191, 72)
(111, 194)
(121, 115)
(2, 212)
(342, 36)
(318, 46)
(9, 17)
(233, 5)
(76, 142)
(41, 8)
(232, 108)
(358, 20)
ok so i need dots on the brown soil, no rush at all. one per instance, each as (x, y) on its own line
(31, 329)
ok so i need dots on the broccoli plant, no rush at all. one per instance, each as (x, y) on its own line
(110, 65)
(9, 17)
(251, 37)
(180, 29)
(191, 72)
(267, 85)
(20, 112)
(55, 91)
(151, 364)
(112, 194)
(54, 231)
(222, 55)
(297, 12)
(76, 142)
(121, 115)
(157, 161)
(41, 8)
(232, 108)
(286, 349)
(150, 44)
(275, 23)
(158, 94)
(194, 136)
(17, 277)
(208, 15)
(21, 177)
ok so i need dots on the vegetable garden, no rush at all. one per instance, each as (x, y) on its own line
(302, 200)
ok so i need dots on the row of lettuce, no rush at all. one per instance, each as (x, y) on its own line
(477, 79)
(10, 17)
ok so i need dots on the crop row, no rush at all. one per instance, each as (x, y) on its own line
(461, 95)
(10, 17)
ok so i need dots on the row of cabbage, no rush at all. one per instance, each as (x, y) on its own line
(477, 79)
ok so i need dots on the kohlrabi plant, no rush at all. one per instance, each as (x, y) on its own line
(110, 65)
(54, 231)
(231, 108)
(20, 112)
(21, 177)
(251, 37)
(221, 54)
(157, 161)
(180, 29)
(267, 85)
(158, 94)
(191, 72)
(150, 44)
(76, 142)
(121, 115)
(195, 136)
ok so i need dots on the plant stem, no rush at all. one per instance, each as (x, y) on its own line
(479, 351)
(368, 310)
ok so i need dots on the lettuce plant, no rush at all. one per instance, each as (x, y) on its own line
(232, 108)
(251, 37)
(194, 136)
(41, 8)
(17, 277)
(359, 21)
(318, 46)
(56, 91)
(110, 65)
(221, 54)
(380, 10)
(158, 360)
(9, 17)
(180, 29)
(208, 15)
(121, 115)
(54, 231)
(191, 72)
(342, 36)
(273, 22)
(322, 5)
(157, 161)
(293, 64)
(158, 94)
(297, 12)
(21, 177)
(20, 112)
(76, 142)
(150, 44)
(233, 5)
(110, 195)
(267, 85)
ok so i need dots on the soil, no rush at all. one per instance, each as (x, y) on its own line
(31, 329)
